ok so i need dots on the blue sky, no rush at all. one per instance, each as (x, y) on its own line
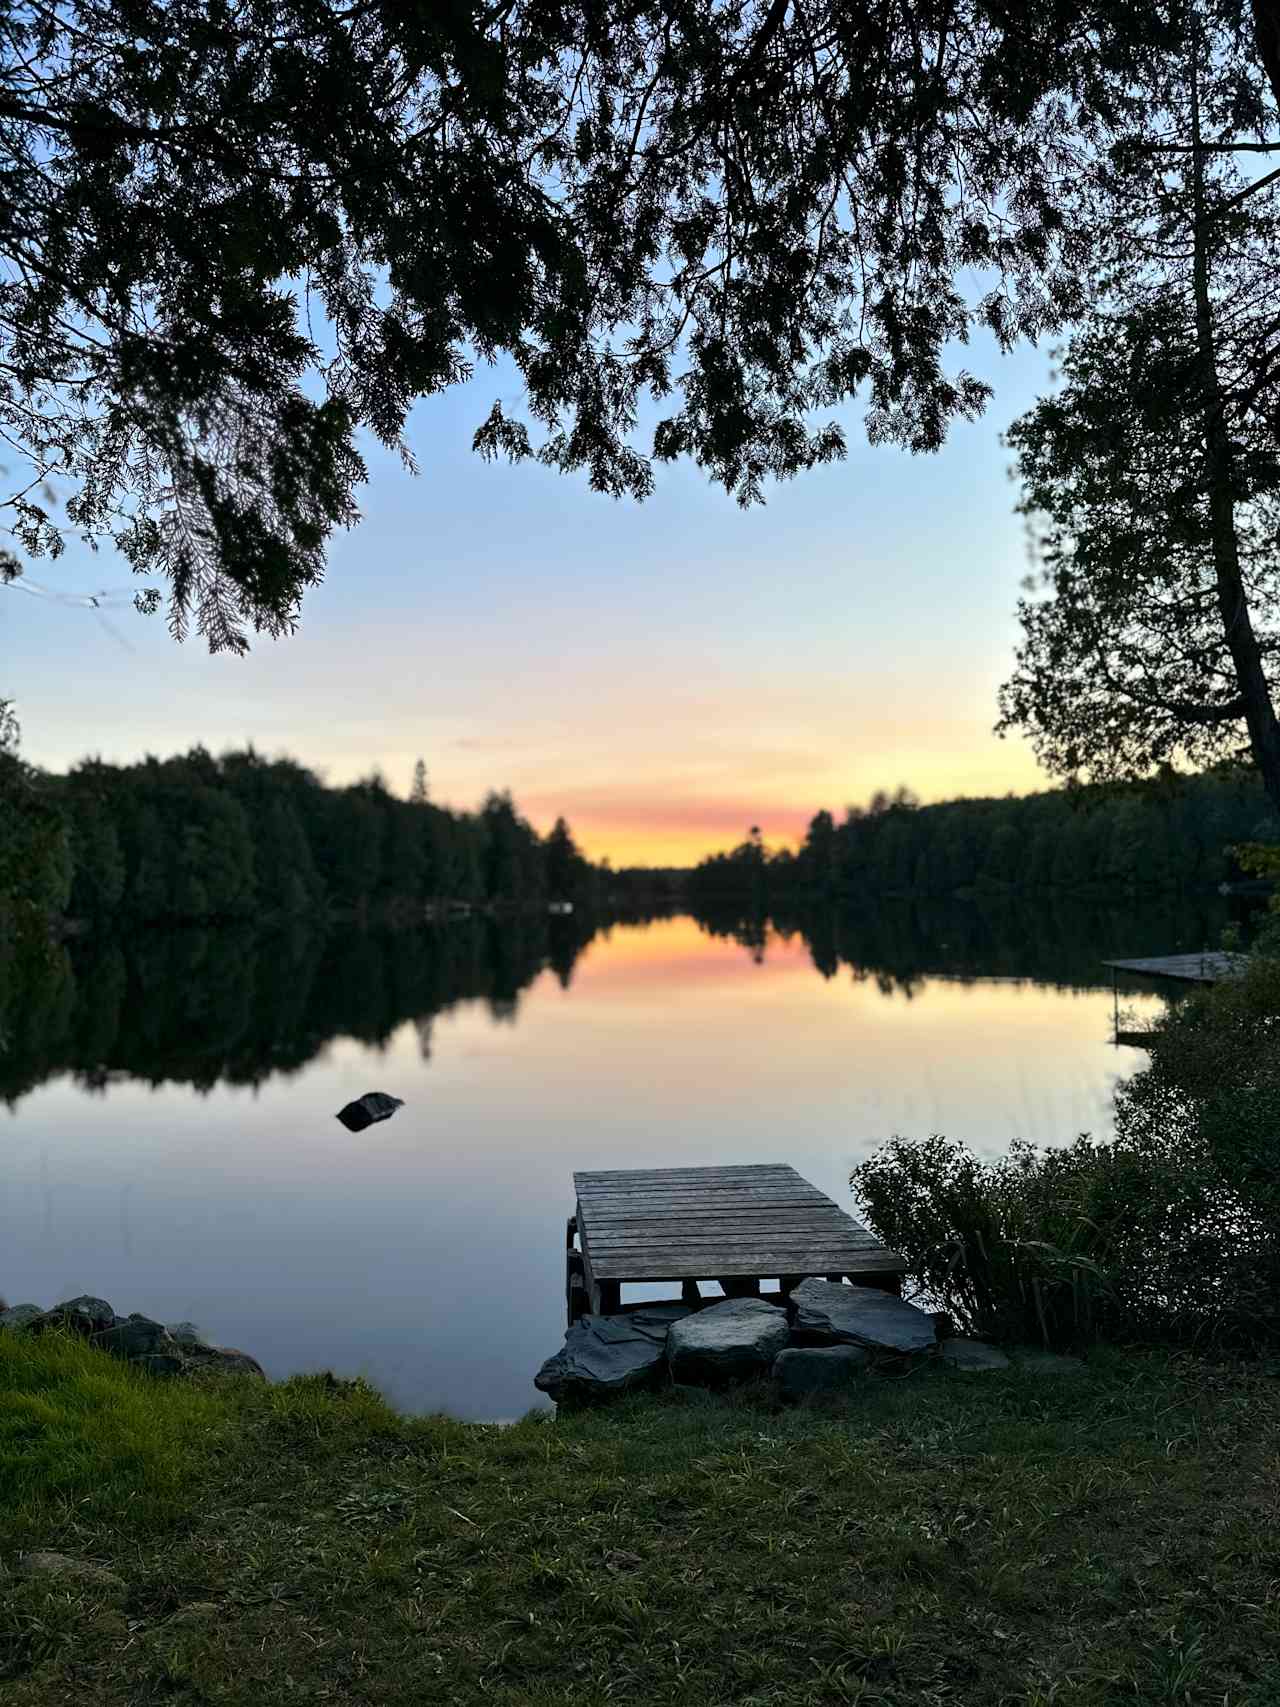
(664, 674)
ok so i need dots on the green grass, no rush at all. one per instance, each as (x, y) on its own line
(984, 1541)
(85, 1437)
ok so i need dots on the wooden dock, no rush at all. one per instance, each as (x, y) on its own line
(734, 1225)
(1208, 967)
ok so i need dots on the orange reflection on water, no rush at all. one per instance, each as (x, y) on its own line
(675, 951)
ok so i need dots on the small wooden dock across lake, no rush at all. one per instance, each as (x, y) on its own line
(1208, 967)
(734, 1225)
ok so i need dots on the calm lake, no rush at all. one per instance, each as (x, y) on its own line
(170, 1142)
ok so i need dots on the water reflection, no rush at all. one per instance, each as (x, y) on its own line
(172, 1143)
(898, 944)
(236, 1007)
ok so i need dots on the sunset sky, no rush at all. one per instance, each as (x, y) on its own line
(665, 674)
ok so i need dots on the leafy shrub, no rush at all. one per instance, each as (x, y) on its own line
(1007, 1248)
(1169, 1232)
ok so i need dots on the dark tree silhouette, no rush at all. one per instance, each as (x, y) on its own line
(235, 237)
(196, 838)
(1088, 841)
(1152, 481)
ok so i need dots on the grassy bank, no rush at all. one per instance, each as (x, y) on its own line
(1106, 1537)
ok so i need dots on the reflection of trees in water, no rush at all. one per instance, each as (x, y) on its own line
(203, 1007)
(899, 943)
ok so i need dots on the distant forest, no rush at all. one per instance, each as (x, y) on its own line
(1167, 837)
(204, 839)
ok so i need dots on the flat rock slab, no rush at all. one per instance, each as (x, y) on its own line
(972, 1354)
(655, 1320)
(603, 1355)
(726, 1341)
(804, 1370)
(829, 1312)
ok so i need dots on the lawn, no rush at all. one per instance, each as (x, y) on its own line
(1107, 1537)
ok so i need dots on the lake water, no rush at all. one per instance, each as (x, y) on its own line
(171, 1143)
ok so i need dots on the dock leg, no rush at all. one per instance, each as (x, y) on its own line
(575, 1285)
(835, 1277)
(610, 1297)
(690, 1294)
(787, 1283)
(739, 1286)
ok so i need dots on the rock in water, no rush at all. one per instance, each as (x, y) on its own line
(832, 1313)
(608, 1354)
(802, 1370)
(726, 1341)
(373, 1105)
(972, 1354)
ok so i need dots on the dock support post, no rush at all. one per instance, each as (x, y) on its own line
(610, 1297)
(690, 1294)
(575, 1285)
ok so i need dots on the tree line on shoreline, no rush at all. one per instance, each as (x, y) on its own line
(196, 838)
(1177, 836)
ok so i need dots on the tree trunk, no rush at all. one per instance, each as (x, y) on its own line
(1266, 29)
(1233, 602)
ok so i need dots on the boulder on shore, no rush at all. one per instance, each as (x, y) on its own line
(187, 1334)
(802, 1371)
(83, 1315)
(603, 1355)
(19, 1316)
(220, 1360)
(830, 1313)
(727, 1341)
(135, 1339)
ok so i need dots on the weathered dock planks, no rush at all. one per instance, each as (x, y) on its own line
(1209, 967)
(736, 1225)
